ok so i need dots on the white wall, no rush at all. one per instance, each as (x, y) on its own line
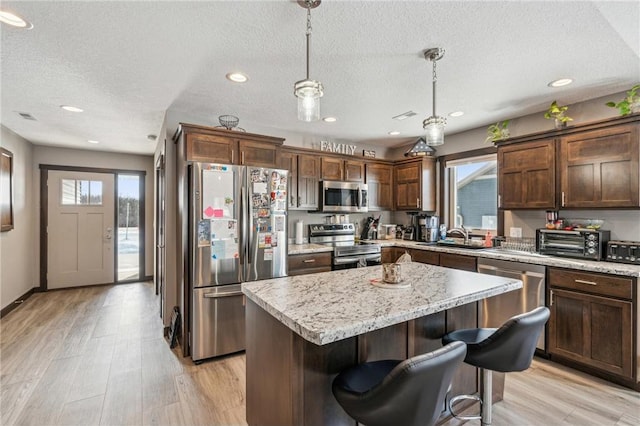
(91, 158)
(18, 267)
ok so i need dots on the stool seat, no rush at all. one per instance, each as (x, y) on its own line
(505, 349)
(402, 393)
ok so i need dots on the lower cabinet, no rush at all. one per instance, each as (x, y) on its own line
(424, 256)
(591, 321)
(301, 264)
(391, 254)
(458, 261)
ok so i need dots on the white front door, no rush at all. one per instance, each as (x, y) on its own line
(80, 229)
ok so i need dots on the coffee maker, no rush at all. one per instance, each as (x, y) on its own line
(421, 228)
(432, 229)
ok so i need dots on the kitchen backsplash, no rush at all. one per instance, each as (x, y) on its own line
(623, 224)
(311, 218)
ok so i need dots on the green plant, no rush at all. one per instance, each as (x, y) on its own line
(497, 131)
(625, 106)
(557, 112)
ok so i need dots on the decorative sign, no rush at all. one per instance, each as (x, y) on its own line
(368, 154)
(338, 148)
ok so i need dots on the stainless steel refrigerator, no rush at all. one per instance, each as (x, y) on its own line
(238, 232)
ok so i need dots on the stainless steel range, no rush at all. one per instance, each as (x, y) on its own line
(346, 253)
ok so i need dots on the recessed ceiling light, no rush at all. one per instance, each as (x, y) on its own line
(394, 133)
(560, 82)
(404, 115)
(71, 108)
(456, 114)
(330, 119)
(237, 77)
(14, 20)
(93, 142)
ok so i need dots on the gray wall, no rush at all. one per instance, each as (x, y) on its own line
(18, 267)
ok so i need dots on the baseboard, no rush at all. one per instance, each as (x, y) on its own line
(16, 303)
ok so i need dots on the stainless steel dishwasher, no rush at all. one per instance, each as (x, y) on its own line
(495, 311)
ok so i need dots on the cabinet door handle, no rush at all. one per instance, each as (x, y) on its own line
(242, 157)
(562, 198)
(586, 282)
(293, 200)
(232, 152)
(299, 201)
(309, 261)
(551, 298)
(418, 202)
(499, 200)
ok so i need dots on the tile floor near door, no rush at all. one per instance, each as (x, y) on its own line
(96, 355)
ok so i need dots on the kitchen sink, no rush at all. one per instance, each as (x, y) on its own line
(476, 246)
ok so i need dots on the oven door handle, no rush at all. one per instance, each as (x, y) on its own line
(354, 259)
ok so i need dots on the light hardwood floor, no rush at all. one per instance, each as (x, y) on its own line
(96, 356)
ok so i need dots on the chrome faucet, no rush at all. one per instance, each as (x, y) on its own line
(462, 231)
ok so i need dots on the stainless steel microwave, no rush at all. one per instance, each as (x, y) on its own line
(347, 197)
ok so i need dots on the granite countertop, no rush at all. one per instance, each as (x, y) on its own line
(537, 259)
(331, 306)
(308, 248)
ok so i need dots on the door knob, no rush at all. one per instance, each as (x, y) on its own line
(108, 236)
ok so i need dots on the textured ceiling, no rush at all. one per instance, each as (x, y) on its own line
(128, 63)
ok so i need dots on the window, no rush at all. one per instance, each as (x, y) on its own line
(473, 193)
(81, 192)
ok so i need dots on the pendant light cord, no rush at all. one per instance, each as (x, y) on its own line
(435, 79)
(308, 34)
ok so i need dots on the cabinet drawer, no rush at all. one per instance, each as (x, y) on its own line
(606, 285)
(425, 256)
(309, 261)
(457, 261)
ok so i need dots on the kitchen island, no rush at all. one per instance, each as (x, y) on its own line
(303, 330)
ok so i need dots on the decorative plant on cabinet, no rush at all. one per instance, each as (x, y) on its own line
(497, 132)
(558, 114)
(630, 104)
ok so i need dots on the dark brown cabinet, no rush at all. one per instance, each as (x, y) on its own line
(213, 145)
(458, 261)
(378, 178)
(591, 320)
(415, 185)
(424, 256)
(391, 254)
(526, 175)
(304, 178)
(301, 264)
(341, 170)
(600, 168)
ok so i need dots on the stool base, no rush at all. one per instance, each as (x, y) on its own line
(485, 399)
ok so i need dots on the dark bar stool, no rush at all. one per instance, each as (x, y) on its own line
(402, 393)
(505, 349)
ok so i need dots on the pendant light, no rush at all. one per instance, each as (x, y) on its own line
(434, 125)
(308, 91)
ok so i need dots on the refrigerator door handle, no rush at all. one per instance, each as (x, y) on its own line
(217, 295)
(244, 255)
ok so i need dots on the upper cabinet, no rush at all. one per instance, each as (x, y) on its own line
(214, 145)
(599, 168)
(415, 185)
(304, 179)
(341, 170)
(527, 175)
(596, 165)
(379, 179)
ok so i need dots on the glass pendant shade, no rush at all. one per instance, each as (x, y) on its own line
(308, 93)
(434, 127)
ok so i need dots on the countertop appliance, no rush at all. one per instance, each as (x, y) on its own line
(345, 197)
(578, 243)
(237, 233)
(624, 252)
(495, 311)
(346, 253)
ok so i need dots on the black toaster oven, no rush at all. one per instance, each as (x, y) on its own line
(579, 243)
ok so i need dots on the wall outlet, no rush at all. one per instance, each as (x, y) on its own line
(515, 232)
